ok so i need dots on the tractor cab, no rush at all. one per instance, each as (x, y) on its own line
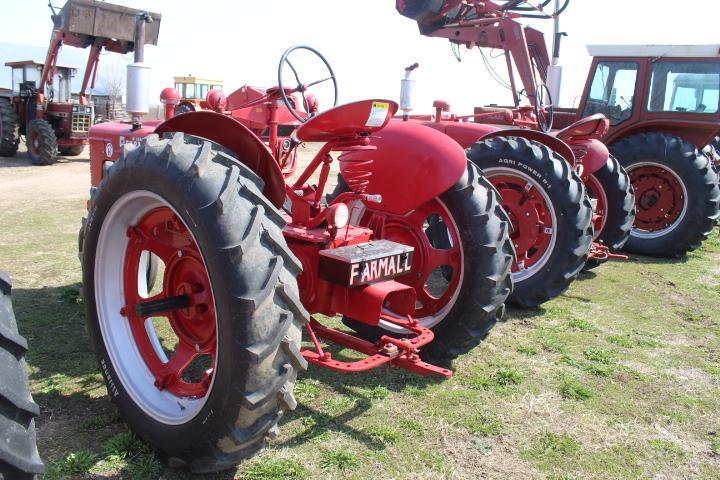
(637, 86)
(193, 92)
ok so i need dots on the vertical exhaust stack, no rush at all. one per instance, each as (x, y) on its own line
(407, 92)
(554, 71)
(138, 75)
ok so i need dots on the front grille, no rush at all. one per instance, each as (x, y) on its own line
(80, 122)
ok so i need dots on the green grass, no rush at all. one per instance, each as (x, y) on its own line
(269, 468)
(573, 390)
(617, 378)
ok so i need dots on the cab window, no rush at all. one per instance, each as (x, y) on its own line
(17, 79)
(684, 87)
(612, 91)
(189, 91)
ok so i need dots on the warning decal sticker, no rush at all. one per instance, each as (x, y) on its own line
(378, 114)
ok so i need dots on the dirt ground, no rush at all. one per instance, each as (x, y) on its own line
(20, 181)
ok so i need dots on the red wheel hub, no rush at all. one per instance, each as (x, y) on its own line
(531, 218)
(185, 300)
(597, 193)
(659, 197)
(437, 262)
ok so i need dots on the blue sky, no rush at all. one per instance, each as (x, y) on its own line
(367, 42)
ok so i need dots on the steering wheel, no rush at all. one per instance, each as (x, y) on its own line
(302, 87)
(544, 110)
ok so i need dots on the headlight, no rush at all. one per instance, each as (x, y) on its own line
(339, 215)
(75, 108)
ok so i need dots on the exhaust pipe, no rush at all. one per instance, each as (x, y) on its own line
(407, 91)
(138, 76)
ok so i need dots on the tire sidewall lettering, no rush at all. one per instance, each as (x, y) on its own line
(541, 179)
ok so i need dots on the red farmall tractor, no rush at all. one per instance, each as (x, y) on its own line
(42, 108)
(543, 177)
(203, 263)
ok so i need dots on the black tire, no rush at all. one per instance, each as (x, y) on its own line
(620, 215)
(44, 150)
(696, 174)
(484, 231)
(9, 138)
(19, 458)
(184, 108)
(571, 206)
(71, 151)
(259, 314)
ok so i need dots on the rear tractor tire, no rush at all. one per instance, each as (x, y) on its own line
(676, 194)
(41, 143)
(228, 301)
(463, 258)
(550, 212)
(71, 151)
(9, 138)
(19, 458)
(611, 190)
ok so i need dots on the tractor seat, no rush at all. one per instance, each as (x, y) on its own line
(347, 121)
(594, 126)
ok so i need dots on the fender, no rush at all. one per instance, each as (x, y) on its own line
(467, 133)
(236, 137)
(464, 133)
(553, 143)
(411, 165)
(592, 154)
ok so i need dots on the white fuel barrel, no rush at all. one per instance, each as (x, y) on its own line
(138, 88)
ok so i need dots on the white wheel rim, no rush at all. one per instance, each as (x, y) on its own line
(133, 373)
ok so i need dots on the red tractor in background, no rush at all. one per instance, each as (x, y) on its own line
(664, 108)
(544, 178)
(202, 262)
(41, 107)
(657, 127)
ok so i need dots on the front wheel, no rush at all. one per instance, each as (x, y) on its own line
(550, 212)
(676, 194)
(41, 143)
(461, 265)
(202, 365)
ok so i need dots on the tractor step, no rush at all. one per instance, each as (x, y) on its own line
(403, 353)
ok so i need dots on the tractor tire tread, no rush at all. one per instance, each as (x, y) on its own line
(9, 123)
(47, 143)
(691, 165)
(19, 457)
(573, 245)
(238, 219)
